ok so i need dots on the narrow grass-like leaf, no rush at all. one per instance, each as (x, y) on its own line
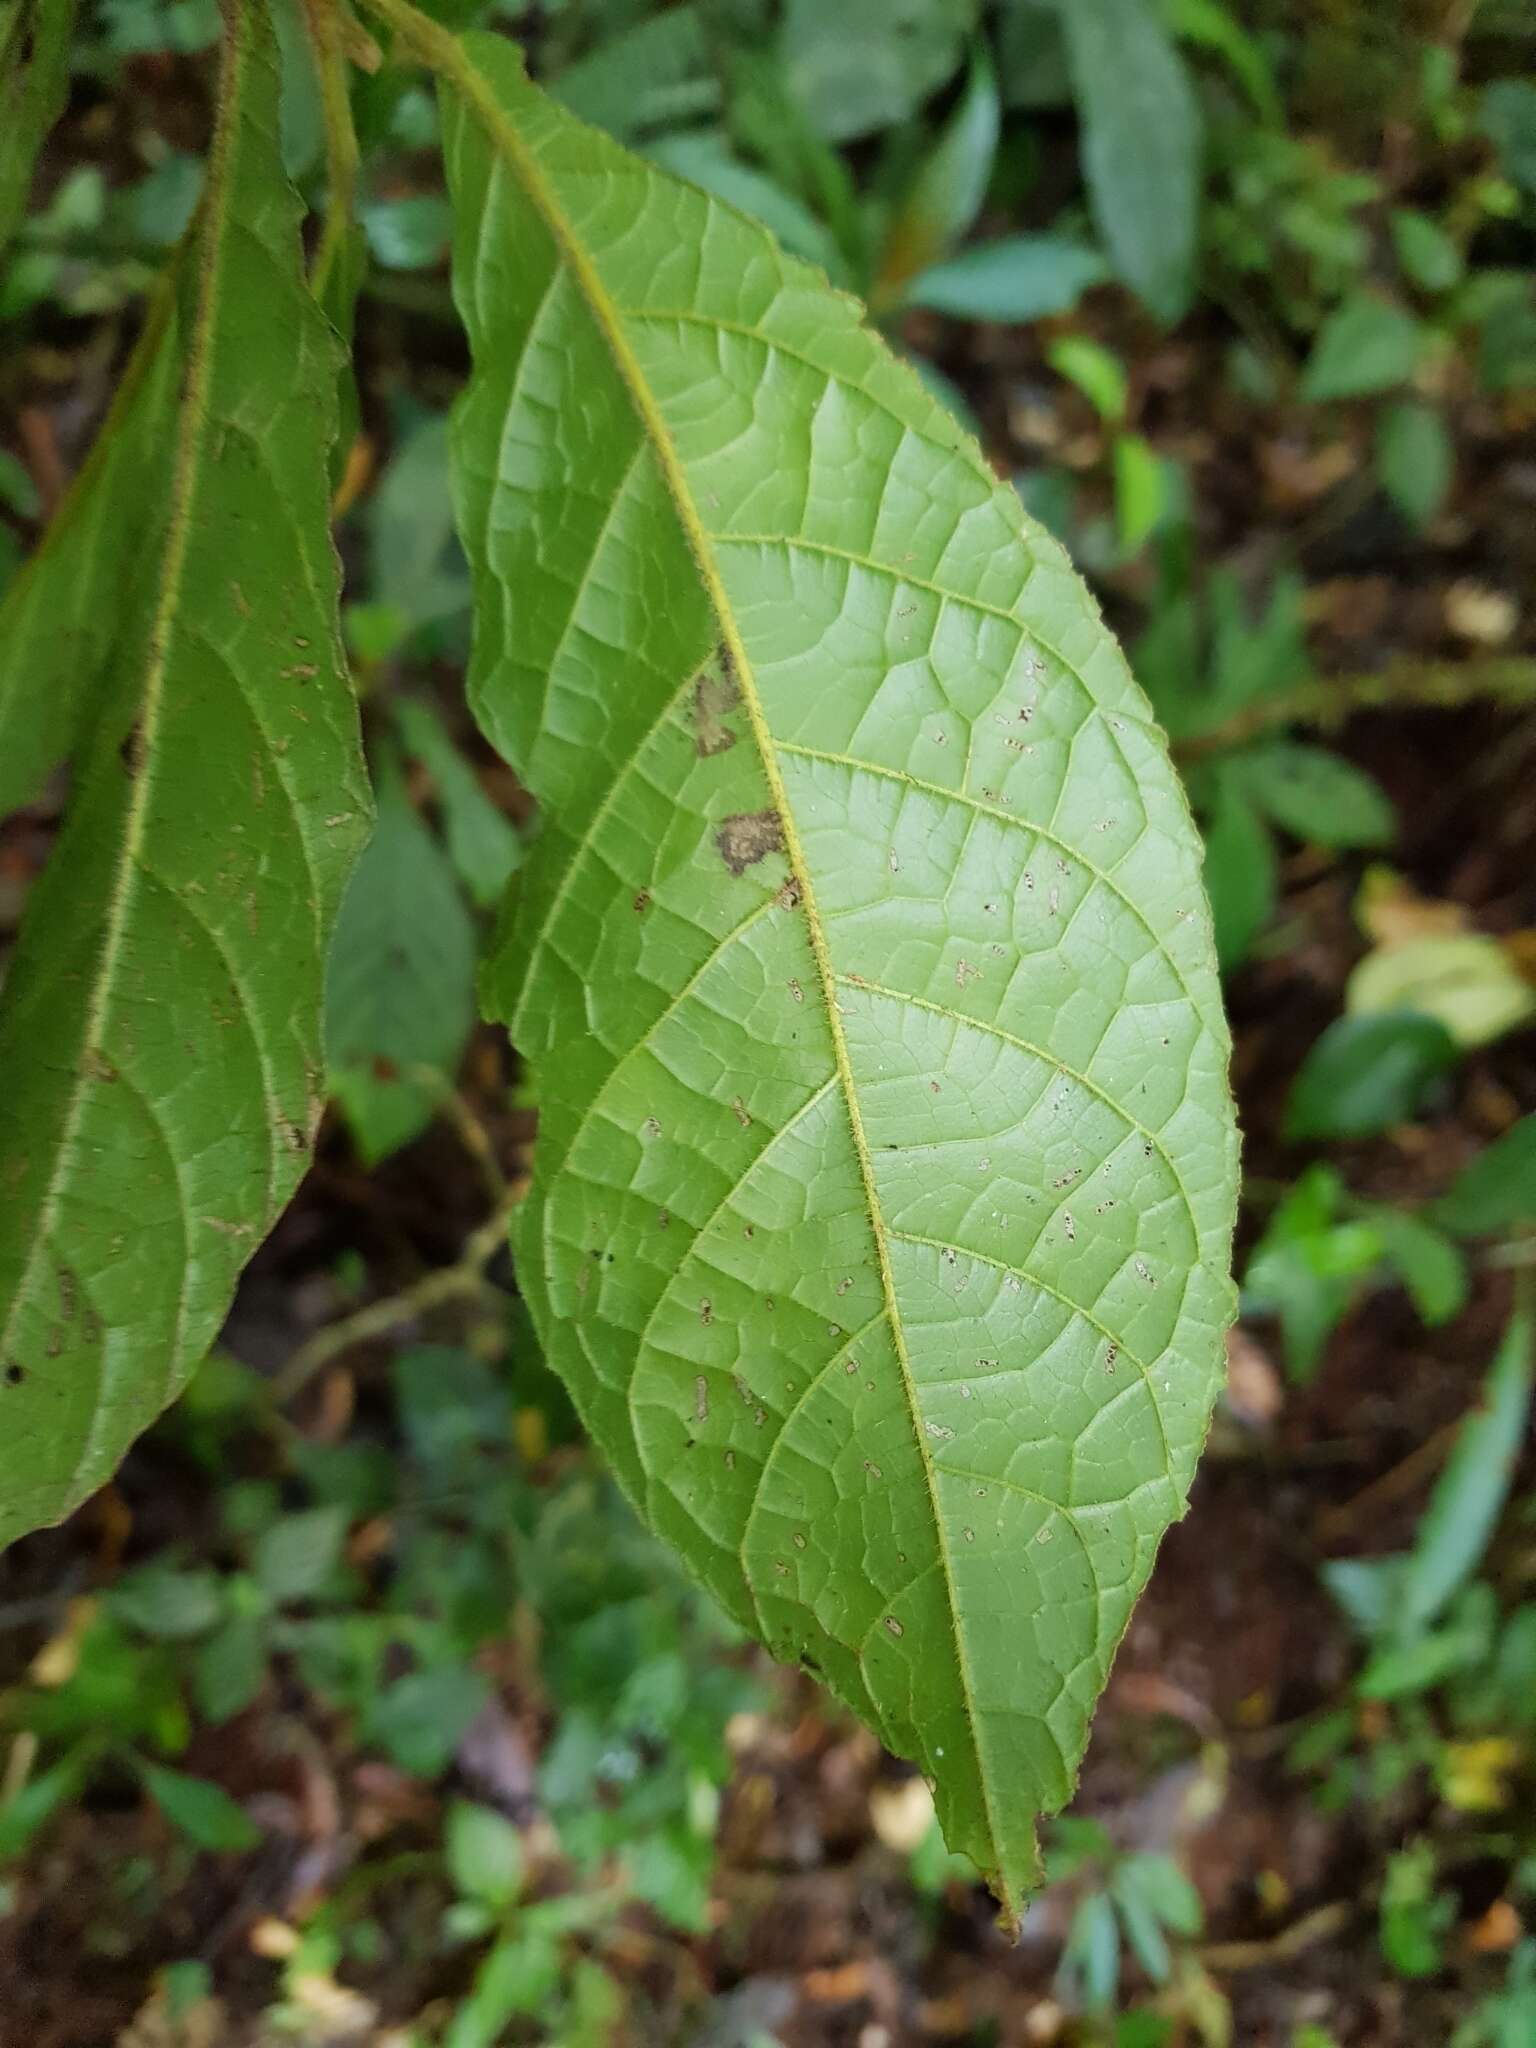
(159, 1031)
(885, 1170)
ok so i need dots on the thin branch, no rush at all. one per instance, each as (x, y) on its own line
(1401, 686)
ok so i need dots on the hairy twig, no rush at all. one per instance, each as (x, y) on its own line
(1402, 685)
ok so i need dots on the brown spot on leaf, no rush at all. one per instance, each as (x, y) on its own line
(715, 693)
(642, 901)
(746, 837)
(131, 750)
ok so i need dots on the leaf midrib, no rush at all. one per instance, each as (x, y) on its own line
(449, 57)
(192, 425)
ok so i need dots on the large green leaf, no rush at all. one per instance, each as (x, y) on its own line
(159, 1031)
(885, 1172)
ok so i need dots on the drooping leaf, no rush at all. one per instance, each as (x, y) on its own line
(62, 616)
(34, 80)
(885, 1167)
(1472, 1489)
(948, 187)
(1142, 140)
(159, 1030)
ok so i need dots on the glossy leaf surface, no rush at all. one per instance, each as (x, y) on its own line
(160, 1021)
(885, 1171)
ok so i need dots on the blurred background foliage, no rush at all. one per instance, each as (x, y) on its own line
(358, 1709)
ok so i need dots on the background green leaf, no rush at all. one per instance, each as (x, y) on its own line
(1141, 145)
(400, 982)
(158, 1032)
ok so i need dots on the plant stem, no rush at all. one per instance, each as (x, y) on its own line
(461, 1281)
(1401, 686)
(328, 42)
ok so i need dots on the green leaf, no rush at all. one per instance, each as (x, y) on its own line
(649, 76)
(1430, 258)
(858, 849)
(400, 983)
(1141, 146)
(167, 1604)
(867, 64)
(1141, 491)
(158, 1032)
(409, 233)
(1425, 1260)
(1309, 1267)
(519, 1975)
(1022, 278)
(485, 1854)
(1367, 1073)
(34, 83)
(948, 188)
(1313, 794)
(1471, 1491)
(706, 158)
(1096, 371)
(29, 1809)
(297, 1555)
(230, 1667)
(204, 1812)
(1509, 122)
(1415, 459)
(1368, 345)
(1241, 873)
(419, 1720)
(1497, 1192)
(482, 845)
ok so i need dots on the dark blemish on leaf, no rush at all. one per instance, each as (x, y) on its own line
(873, 1469)
(714, 694)
(894, 1625)
(131, 751)
(642, 901)
(652, 1127)
(663, 1218)
(14, 1375)
(744, 838)
(99, 1067)
(741, 1113)
(706, 1312)
(788, 897)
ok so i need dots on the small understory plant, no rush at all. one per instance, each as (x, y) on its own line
(860, 966)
